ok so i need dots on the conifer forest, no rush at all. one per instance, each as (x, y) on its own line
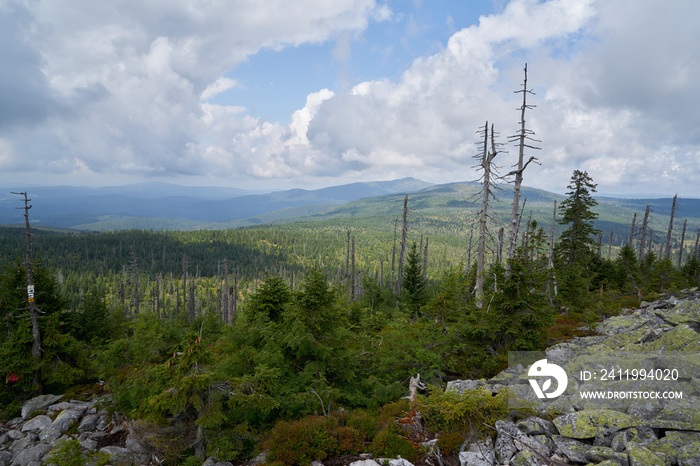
(233, 341)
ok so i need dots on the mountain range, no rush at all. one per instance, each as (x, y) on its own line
(163, 206)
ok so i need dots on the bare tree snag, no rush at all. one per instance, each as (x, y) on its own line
(610, 245)
(552, 282)
(499, 255)
(642, 242)
(393, 257)
(404, 234)
(34, 310)
(634, 221)
(425, 258)
(522, 137)
(486, 193)
(667, 251)
(680, 250)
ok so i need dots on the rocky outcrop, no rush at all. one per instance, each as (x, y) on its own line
(45, 422)
(653, 349)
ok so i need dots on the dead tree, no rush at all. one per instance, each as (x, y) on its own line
(425, 258)
(667, 251)
(523, 136)
(552, 282)
(135, 302)
(610, 245)
(485, 164)
(643, 240)
(352, 271)
(634, 221)
(680, 250)
(393, 257)
(402, 249)
(34, 310)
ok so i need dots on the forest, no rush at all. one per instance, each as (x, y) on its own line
(301, 338)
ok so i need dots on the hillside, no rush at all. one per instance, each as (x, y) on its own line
(165, 206)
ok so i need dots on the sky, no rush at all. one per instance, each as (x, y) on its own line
(277, 94)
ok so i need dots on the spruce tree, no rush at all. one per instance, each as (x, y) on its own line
(577, 244)
(413, 290)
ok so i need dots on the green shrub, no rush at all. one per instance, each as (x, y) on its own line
(365, 423)
(450, 441)
(311, 438)
(389, 443)
(68, 452)
(472, 412)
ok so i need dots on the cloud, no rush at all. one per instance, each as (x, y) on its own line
(117, 86)
(130, 87)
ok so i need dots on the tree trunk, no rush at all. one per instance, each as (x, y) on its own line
(634, 221)
(667, 251)
(523, 135)
(642, 242)
(680, 250)
(404, 234)
(34, 310)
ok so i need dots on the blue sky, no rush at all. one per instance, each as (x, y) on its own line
(274, 83)
(276, 94)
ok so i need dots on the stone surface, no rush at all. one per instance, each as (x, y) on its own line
(39, 403)
(36, 424)
(591, 422)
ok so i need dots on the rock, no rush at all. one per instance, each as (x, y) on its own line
(364, 463)
(38, 403)
(582, 453)
(689, 455)
(461, 386)
(60, 425)
(592, 422)
(37, 424)
(641, 435)
(5, 458)
(400, 462)
(525, 458)
(89, 423)
(641, 456)
(31, 454)
(472, 458)
(116, 451)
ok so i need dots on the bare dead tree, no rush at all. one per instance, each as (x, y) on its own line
(634, 221)
(552, 281)
(642, 242)
(522, 138)
(499, 255)
(697, 245)
(352, 271)
(667, 251)
(135, 301)
(680, 250)
(393, 257)
(485, 164)
(34, 311)
(402, 249)
(425, 258)
(610, 245)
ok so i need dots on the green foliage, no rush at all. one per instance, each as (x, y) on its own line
(270, 299)
(413, 295)
(68, 452)
(470, 413)
(576, 244)
(311, 438)
(389, 443)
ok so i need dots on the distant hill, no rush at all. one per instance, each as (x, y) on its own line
(169, 206)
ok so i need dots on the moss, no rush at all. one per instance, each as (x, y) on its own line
(591, 422)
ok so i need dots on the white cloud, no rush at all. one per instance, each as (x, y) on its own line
(128, 87)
